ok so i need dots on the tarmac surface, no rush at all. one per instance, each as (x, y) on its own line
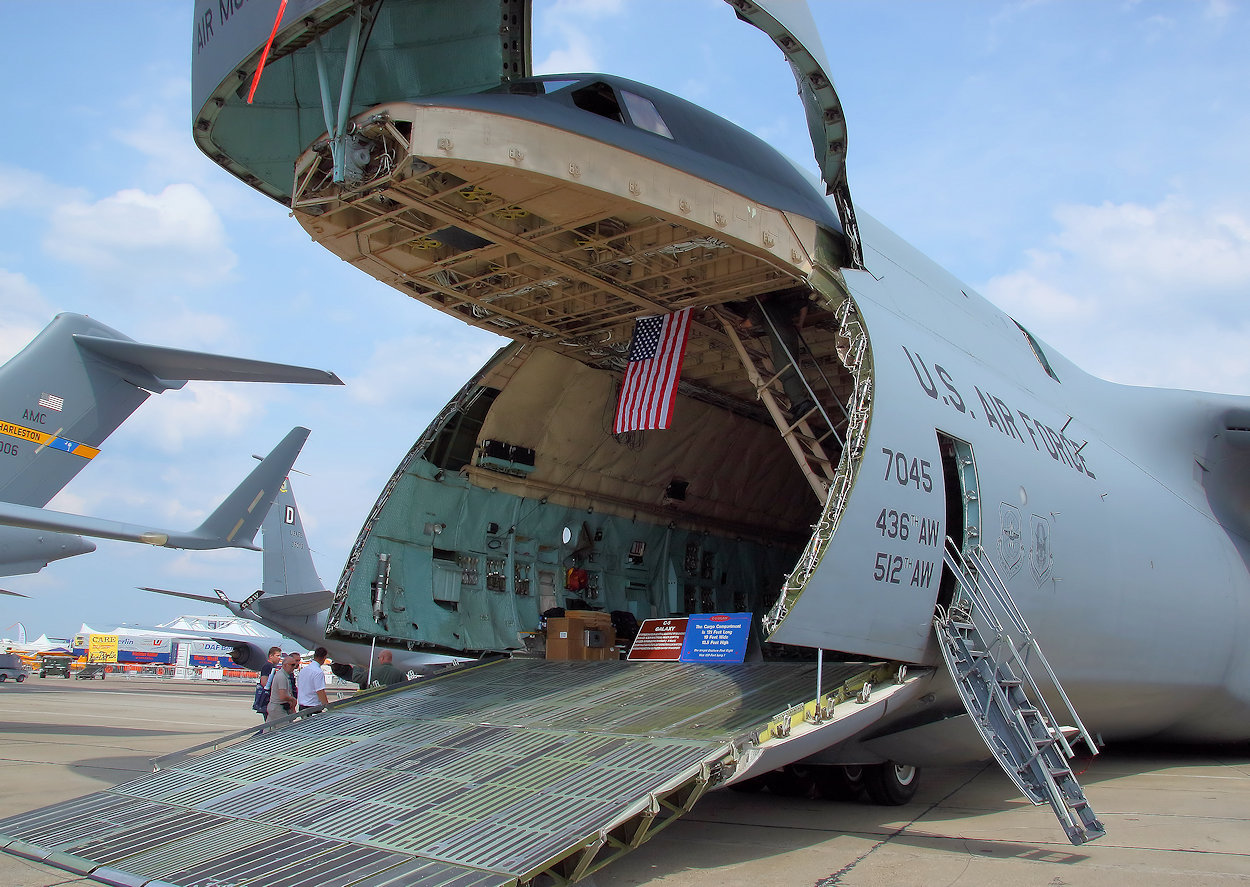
(1173, 815)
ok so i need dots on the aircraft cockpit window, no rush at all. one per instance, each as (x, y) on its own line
(599, 98)
(644, 115)
(1037, 351)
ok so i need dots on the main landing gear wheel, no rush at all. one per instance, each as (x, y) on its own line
(891, 784)
(837, 783)
(791, 781)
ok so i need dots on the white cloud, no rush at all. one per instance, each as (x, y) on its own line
(174, 236)
(1030, 292)
(201, 411)
(1218, 9)
(32, 191)
(23, 312)
(419, 372)
(575, 50)
(181, 327)
(1162, 251)
(161, 137)
(1152, 295)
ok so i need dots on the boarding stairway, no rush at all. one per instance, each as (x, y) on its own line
(988, 649)
(808, 434)
(511, 772)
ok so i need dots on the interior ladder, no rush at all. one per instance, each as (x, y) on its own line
(987, 646)
(804, 442)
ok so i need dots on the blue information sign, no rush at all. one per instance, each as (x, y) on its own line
(716, 637)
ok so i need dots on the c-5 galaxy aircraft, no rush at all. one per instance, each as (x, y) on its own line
(293, 601)
(955, 490)
(67, 391)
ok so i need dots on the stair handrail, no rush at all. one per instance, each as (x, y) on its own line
(1019, 650)
(983, 561)
(972, 580)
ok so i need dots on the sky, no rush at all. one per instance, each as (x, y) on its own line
(1083, 165)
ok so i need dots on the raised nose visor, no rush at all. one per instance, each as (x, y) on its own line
(540, 233)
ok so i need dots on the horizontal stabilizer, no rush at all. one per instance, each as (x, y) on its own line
(296, 604)
(232, 525)
(178, 364)
(202, 598)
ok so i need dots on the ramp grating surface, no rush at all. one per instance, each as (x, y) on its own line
(483, 777)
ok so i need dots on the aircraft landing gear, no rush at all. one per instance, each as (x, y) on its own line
(840, 783)
(792, 781)
(891, 784)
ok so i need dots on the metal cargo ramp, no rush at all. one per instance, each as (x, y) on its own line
(502, 773)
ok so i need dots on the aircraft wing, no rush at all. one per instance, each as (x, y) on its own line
(232, 525)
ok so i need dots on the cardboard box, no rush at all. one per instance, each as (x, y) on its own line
(567, 636)
(563, 640)
(593, 618)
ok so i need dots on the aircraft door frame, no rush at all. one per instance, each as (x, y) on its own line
(959, 466)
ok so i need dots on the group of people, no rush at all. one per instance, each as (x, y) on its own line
(290, 692)
(293, 689)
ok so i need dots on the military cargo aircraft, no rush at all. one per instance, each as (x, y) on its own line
(863, 452)
(64, 393)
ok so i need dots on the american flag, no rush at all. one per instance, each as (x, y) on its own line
(51, 402)
(650, 385)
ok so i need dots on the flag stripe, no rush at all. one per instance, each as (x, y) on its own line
(649, 389)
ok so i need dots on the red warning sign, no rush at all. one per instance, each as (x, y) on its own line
(660, 640)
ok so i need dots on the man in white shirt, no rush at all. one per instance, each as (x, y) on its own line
(311, 682)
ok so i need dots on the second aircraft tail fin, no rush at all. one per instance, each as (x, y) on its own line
(287, 563)
(233, 524)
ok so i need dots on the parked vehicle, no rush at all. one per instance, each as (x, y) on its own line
(55, 665)
(11, 667)
(91, 671)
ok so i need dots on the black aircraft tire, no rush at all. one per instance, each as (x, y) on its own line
(791, 781)
(891, 784)
(21, 678)
(840, 783)
(3, 678)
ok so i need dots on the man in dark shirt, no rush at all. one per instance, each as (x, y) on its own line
(275, 656)
(384, 674)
